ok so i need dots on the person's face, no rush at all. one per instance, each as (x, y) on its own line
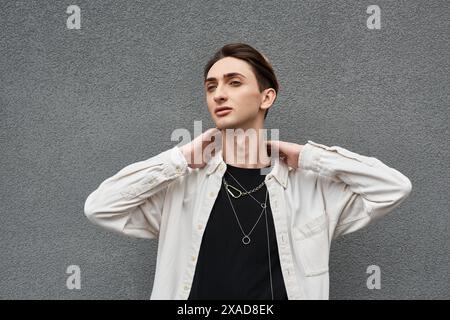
(239, 92)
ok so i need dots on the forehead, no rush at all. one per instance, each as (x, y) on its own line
(229, 65)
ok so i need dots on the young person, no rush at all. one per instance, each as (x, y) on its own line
(224, 229)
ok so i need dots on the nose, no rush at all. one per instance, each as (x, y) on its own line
(219, 94)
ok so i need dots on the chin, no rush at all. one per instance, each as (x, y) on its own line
(223, 124)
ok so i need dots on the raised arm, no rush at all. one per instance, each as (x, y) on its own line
(357, 189)
(131, 201)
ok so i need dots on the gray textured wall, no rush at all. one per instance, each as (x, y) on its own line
(76, 106)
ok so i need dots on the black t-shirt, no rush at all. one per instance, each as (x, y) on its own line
(226, 267)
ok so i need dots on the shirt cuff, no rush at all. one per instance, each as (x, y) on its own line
(176, 161)
(309, 157)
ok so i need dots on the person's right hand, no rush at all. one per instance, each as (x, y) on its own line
(194, 150)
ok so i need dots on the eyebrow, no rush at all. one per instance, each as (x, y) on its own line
(226, 75)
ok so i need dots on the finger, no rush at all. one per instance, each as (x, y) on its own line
(209, 133)
(273, 143)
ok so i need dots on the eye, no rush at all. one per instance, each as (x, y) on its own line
(234, 81)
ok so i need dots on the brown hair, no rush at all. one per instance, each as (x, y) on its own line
(260, 65)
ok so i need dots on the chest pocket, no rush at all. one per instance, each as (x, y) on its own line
(312, 247)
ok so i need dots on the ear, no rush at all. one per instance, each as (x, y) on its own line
(268, 98)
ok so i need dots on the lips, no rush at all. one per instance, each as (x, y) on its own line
(218, 109)
(223, 111)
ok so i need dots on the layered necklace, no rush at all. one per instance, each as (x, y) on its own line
(236, 193)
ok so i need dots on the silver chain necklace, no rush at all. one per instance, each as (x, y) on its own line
(246, 238)
(245, 191)
(239, 192)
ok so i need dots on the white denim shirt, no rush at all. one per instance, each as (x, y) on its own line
(333, 192)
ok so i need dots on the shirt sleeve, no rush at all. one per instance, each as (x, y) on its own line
(356, 189)
(131, 201)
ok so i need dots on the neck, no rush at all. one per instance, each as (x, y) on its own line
(245, 148)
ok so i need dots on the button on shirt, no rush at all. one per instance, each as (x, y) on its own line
(333, 192)
(227, 268)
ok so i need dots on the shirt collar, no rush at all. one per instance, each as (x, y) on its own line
(280, 170)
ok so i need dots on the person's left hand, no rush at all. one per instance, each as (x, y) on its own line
(289, 152)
